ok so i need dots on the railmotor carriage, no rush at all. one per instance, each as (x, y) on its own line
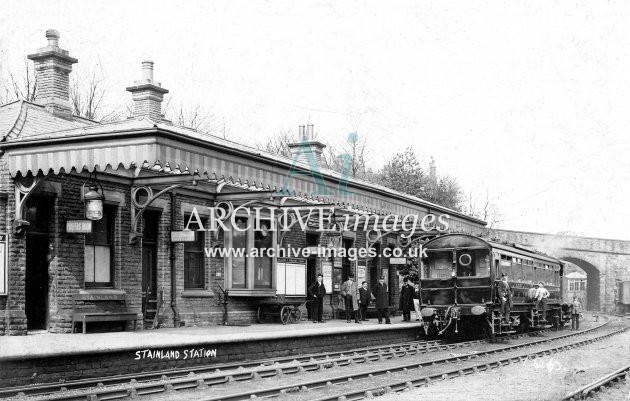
(459, 287)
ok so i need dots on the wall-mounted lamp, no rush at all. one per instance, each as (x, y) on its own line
(93, 198)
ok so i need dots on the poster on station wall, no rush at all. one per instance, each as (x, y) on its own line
(361, 271)
(327, 273)
(3, 264)
(291, 276)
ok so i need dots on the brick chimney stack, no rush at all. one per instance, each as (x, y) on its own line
(147, 95)
(52, 68)
(307, 145)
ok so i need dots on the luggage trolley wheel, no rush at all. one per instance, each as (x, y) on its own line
(285, 314)
(296, 315)
(259, 315)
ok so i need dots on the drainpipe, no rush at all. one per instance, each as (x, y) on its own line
(173, 268)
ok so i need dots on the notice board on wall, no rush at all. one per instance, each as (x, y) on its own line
(361, 271)
(327, 273)
(3, 264)
(291, 276)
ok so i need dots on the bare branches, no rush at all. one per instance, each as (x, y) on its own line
(22, 86)
(87, 97)
(484, 209)
(194, 116)
(278, 144)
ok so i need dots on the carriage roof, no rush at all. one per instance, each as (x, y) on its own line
(450, 241)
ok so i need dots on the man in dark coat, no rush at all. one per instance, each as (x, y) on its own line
(382, 300)
(505, 297)
(364, 300)
(406, 300)
(317, 291)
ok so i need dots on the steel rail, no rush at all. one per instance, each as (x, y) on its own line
(156, 382)
(343, 379)
(583, 392)
(51, 388)
(185, 378)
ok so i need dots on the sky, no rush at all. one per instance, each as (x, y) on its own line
(525, 101)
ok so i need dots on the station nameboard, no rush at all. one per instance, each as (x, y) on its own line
(397, 261)
(79, 226)
(183, 236)
(3, 264)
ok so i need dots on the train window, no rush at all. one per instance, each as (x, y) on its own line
(440, 264)
(474, 262)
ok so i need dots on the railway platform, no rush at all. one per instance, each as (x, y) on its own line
(44, 358)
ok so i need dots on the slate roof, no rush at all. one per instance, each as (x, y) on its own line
(22, 119)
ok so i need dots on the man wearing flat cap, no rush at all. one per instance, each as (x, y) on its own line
(350, 293)
(382, 300)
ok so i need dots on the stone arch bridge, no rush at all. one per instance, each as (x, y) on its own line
(603, 260)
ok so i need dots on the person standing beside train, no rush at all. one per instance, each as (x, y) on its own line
(505, 298)
(416, 300)
(541, 299)
(406, 300)
(317, 291)
(382, 300)
(576, 309)
(350, 294)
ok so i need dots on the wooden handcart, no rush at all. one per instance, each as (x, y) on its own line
(287, 308)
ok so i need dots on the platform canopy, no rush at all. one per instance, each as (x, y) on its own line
(138, 145)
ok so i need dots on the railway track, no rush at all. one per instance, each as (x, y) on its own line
(231, 371)
(135, 385)
(121, 386)
(592, 389)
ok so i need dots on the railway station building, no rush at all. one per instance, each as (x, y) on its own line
(124, 216)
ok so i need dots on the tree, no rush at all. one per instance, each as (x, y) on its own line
(87, 97)
(278, 144)
(446, 192)
(20, 86)
(484, 209)
(403, 173)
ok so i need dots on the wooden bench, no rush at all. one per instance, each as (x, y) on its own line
(97, 314)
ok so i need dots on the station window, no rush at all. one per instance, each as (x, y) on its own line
(194, 262)
(254, 271)
(98, 251)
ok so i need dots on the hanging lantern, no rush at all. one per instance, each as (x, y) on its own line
(93, 199)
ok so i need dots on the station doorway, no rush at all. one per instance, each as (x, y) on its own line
(149, 263)
(36, 281)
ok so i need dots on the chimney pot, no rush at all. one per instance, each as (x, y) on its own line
(147, 70)
(147, 95)
(307, 146)
(53, 37)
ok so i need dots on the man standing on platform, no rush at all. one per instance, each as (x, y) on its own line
(576, 309)
(417, 296)
(350, 294)
(406, 300)
(382, 300)
(317, 291)
(364, 300)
